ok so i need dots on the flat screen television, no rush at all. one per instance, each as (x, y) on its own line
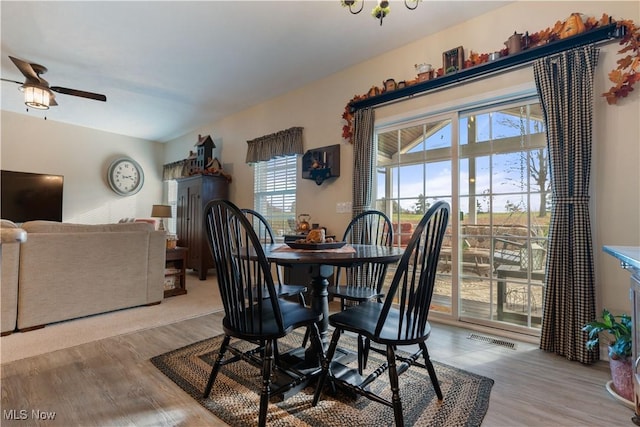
(29, 196)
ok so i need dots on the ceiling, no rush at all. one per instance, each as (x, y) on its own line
(170, 67)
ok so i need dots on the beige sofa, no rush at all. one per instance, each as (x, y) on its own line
(9, 283)
(66, 271)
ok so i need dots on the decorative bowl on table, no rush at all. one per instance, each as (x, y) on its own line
(315, 246)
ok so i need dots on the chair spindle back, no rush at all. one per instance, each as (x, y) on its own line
(372, 228)
(412, 286)
(244, 276)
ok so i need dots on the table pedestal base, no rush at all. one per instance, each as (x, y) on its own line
(295, 361)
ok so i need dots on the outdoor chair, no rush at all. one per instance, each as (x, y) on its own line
(401, 320)
(364, 281)
(253, 311)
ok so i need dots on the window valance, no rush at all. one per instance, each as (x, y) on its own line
(175, 170)
(283, 143)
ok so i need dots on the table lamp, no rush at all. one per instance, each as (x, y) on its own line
(161, 211)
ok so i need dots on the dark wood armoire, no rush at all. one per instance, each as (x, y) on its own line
(194, 193)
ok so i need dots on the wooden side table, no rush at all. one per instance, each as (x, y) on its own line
(175, 279)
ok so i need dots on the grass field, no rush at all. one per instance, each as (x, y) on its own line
(501, 218)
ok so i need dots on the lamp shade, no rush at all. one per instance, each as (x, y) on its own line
(161, 211)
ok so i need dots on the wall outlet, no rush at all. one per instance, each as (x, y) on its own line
(343, 207)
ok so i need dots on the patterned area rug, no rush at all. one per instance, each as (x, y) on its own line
(235, 400)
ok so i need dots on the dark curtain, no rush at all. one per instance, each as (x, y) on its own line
(565, 85)
(363, 159)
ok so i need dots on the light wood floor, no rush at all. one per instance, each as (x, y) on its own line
(112, 383)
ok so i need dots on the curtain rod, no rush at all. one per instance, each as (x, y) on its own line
(600, 35)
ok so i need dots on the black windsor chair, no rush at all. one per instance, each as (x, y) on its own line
(364, 281)
(265, 234)
(253, 311)
(400, 320)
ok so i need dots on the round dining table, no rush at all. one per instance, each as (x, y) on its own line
(321, 264)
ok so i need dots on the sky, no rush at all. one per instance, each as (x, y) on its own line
(504, 174)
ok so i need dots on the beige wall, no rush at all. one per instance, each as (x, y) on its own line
(82, 155)
(318, 108)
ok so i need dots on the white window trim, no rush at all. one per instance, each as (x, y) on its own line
(406, 118)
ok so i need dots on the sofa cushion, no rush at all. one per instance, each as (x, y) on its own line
(5, 223)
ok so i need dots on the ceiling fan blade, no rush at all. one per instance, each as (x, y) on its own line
(11, 81)
(80, 93)
(25, 68)
(32, 74)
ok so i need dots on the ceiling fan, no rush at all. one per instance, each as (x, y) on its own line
(37, 92)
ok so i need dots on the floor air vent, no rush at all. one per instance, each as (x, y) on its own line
(494, 341)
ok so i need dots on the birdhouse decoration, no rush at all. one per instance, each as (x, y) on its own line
(190, 164)
(205, 148)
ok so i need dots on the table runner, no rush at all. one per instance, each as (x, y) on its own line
(346, 249)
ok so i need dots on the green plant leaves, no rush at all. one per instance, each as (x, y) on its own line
(619, 330)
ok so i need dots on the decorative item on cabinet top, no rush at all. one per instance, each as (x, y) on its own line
(205, 148)
(199, 162)
(321, 163)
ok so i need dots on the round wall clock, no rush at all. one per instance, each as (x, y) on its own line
(125, 176)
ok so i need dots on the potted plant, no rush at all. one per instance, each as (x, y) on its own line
(618, 330)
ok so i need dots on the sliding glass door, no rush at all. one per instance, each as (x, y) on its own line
(490, 163)
(414, 169)
(503, 222)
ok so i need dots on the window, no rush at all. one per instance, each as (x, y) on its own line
(275, 192)
(490, 163)
(172, 200)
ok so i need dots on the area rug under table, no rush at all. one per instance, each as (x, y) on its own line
(235, 400)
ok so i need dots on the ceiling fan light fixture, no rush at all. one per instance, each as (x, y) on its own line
(37, 97)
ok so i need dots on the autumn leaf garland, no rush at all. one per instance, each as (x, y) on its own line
(623, 77)
(628, 71)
